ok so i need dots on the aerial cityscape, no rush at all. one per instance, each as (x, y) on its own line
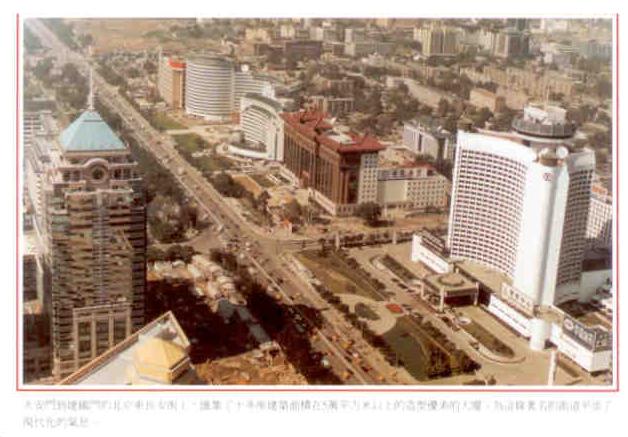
(317, 201)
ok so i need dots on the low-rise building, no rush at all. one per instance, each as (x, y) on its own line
(363, 48)
(157, 354)
(333, 106)
(482, 98)
(36, 347)
(298, 50)
(427, 137)
(414, 186)
(431, 250)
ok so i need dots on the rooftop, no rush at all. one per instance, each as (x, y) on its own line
(450, 283)
(90, 133)
(488, 277)
(276, 105)
(315, 126)
(210, 60)
(545, 122)
(156, 354)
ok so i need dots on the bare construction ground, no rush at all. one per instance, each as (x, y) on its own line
(136, 34)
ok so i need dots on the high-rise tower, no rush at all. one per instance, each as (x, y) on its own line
(95, 233)
(520, 204)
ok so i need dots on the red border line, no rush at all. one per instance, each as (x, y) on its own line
(313, 389)
(616, 288)
(17, 202)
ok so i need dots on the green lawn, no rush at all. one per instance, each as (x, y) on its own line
(488, 340)
(340, 277)
(162, 122)
(408, 351)
(187, 144)
(398, 269)
(365, 312)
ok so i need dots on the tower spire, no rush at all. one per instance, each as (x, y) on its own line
(90, 99)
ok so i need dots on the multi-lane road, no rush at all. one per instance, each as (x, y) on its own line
(363, 365)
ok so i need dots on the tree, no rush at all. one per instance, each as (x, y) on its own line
(480, 117)
(224, 183)
(262, 200)
(370, 212)
(443, 107)
(293, 211)
(155, 254)
(150, 67)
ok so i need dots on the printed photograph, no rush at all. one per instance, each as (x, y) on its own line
(378, 202)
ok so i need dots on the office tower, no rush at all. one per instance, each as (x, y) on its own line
(520, 204)
(95, 236)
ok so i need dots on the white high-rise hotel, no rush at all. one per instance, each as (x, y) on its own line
(520, 204)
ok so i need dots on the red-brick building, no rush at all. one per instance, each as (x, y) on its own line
(340, 167)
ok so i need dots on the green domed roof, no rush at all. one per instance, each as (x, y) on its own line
(90, 133)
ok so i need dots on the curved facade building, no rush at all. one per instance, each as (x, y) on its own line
(209, 87)
(262, 125)
(513, 209)
(247, 82)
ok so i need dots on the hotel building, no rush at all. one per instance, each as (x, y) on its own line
(520, 205)
(262, 127)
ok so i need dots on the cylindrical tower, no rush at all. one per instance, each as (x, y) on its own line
(209, 87)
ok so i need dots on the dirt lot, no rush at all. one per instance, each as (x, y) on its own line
(134, 34)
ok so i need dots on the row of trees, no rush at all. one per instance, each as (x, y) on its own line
(63, 30)
(175, 252)
(276, 320)
(227, 186)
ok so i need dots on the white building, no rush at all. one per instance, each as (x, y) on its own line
(262, 127)
(522, 210)
(426, 138)
(209, 87)
(247, 82)
(417, 187)
(214, 87)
